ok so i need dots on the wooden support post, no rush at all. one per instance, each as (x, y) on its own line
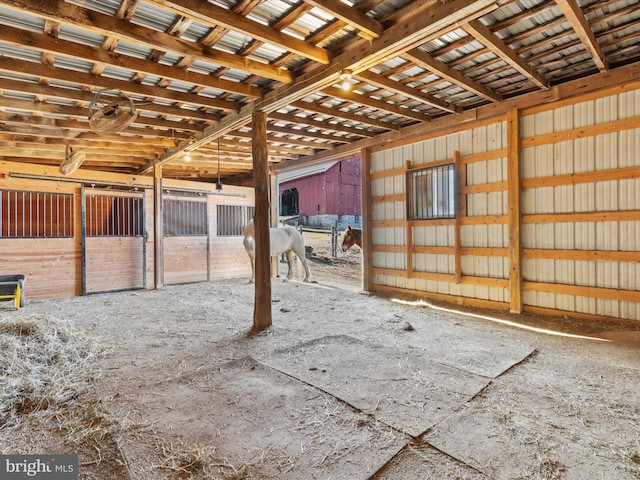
(273, 216)
(409, 226)
(458, 209)
(158, 245)
(367, 230)
(515, 216)
(260, 152)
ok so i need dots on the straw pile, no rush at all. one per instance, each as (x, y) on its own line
(45, 363)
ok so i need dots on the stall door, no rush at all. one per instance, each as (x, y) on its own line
(186, 240)
(114, 246)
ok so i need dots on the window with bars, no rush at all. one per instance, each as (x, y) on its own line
(35, 214)
(184, 218)
(233, 218)
(114, 216)
(431, 193)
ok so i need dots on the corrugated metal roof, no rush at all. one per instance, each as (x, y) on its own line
(188, 74)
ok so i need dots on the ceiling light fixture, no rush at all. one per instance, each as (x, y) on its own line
(187, 149)
(345, 79)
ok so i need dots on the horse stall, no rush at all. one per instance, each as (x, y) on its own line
(93, 232)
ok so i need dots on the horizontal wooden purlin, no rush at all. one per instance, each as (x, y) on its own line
(388, 173)
(338, 113)
(97, 82)
(583, 291)
(435, 163)
(485, 220)
(582, 177)
(485, 251)
(432, 250)
(581, 255)
(83, 96)
(582, 132)
(45, 43)
(213, 16)
(388, 223)
(444, 277)
(610, 216)
(37, 119)
(442, 298)
(484, 188)
(351, 96)
(483, 156)
(399, 197)
(386, 83)
(307, 135)
(121, 29)
(389, 248)
(26, 149)
(320, 126)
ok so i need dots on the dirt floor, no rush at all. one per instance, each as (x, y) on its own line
(168, 384)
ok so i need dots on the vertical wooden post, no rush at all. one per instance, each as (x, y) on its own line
(260, 152)
(367, 229)
(458, 210)
(515, 217)
(158, 245)
(409, 225)
(273, 216)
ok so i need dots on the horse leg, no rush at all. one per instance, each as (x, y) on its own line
(253, 268)
(289, 254)
(301, 254)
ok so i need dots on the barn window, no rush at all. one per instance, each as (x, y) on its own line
(184, 218)
(431, 192)
(35, 214)
(114, 216)
(233, 218)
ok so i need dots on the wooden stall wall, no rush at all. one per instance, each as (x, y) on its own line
(228, 258)
(53, 266)
(579, 219)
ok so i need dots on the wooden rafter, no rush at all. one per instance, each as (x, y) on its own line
(579, 23)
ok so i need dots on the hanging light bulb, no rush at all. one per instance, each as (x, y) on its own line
(187, 156)
(345, 78)
(218, 183)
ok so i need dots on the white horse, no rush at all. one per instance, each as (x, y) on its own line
(287, 240)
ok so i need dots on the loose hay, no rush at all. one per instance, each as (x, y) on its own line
(44, 362)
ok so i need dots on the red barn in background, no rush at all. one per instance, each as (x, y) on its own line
(321, 195)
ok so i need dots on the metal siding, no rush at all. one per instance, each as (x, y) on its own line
(589, 154)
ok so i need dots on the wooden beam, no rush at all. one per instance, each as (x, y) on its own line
(377, 104)
(367, 227)
(460, 200)
(580, 25)
(367, 27)
(262, 302)
(45, 43)
(210, 14)
(415, 94)
(120, 29)
(158, 245)
(422, 58)
(96, 82)
(515, 216)
(501, 49)
(362, 57)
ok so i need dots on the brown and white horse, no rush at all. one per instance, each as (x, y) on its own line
(351, 237)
